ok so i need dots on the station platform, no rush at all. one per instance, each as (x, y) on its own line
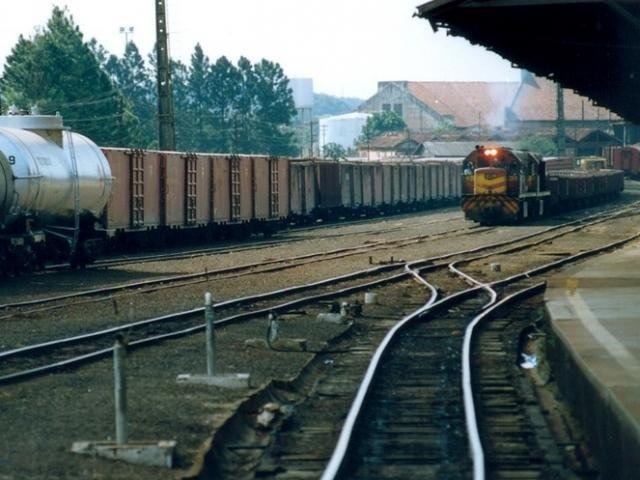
(594, 348)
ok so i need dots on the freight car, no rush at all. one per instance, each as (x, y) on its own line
(61, 196)
(626, 159)
(502, 185)
(163, 197)
(53, 183)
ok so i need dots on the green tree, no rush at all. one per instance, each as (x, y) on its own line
(379, 123)
(334, 151)
(225, 87)
(133, 78)
(180, 80)
(199, 100)
(59, 72)
(274, 109)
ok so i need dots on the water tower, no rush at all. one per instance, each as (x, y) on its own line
(303, 99)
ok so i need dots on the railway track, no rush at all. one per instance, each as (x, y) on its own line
(170, 326)
(296, 236)
(407, 419)
(267, 266)
(42, 304)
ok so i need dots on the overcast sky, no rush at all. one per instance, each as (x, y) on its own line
(345, 46)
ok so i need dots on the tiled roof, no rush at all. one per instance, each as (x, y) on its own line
(457, 149)
(466, 102)
(536, 101)
(387, 140)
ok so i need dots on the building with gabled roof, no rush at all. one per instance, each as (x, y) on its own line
(500, 110)
(426, 106)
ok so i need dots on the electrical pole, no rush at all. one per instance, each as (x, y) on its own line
(560, 122)
(311, 139)
(166, 123)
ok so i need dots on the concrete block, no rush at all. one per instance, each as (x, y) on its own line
(151, 454)
(260, 343)
(331, 317)
(222, 380)
(289, 344)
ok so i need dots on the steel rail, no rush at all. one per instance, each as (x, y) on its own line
(79, 360)
(336, 462)
(128, 286)
(363, 248)
(238, 301)
(186, 313)
(225, 248)
(473, 432)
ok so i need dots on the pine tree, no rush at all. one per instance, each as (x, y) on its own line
(59, 72)
(133, 78)
(199, 100)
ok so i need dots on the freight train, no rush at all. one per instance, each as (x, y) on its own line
(61, 196)
(504, 185)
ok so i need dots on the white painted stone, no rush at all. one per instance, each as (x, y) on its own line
(370, 298)
(222, 380)
(152, 454)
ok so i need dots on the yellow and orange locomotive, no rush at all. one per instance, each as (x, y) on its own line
(500, 184)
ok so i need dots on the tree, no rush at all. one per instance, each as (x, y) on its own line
(133, 78)
(379, 123)
(199, 100)
(334, 151)
(59, 72)
(225, 87)
(274, 109)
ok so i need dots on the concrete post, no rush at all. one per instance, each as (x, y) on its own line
(120, 391)
(210, 333)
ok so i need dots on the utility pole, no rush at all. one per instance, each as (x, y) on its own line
(311, 138)
(166, 122)
(560, 121)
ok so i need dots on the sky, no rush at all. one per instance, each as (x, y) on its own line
(345, 46)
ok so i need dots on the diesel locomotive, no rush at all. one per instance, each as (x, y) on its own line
(504, 185)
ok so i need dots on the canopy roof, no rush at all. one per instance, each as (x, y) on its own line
(591, 46)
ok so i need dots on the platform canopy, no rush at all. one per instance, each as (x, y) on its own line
(590, 46)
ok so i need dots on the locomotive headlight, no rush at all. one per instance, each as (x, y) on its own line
(491, 152)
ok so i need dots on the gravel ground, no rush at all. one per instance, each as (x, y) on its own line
(48, 414)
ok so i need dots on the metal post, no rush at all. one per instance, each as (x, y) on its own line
(120, 390)
(166, 122)
(210, 333)
(560, 131)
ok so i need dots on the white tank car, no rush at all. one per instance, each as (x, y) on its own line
(37, 174)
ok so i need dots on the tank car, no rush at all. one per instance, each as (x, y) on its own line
(500, 184)
(53, 184)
